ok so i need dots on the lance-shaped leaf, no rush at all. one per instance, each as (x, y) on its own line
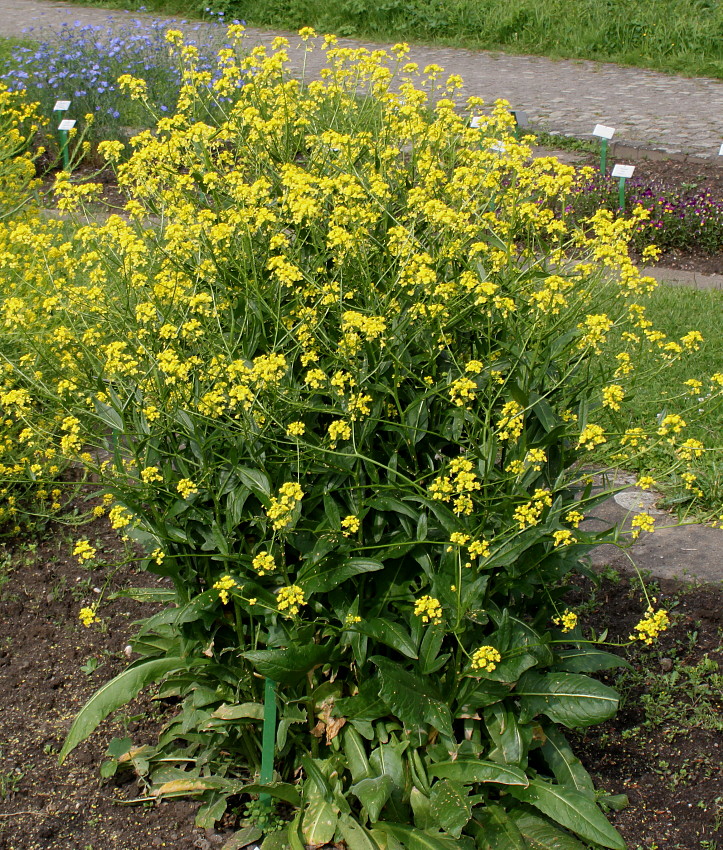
(416, 839)
(450, 806)
(373, 793)
(568, 698)
(542, 835)
(411, 697)
(113, 695)
(291, 664)
(470, 771)
(390, 634)
(320, 578)
(588, 659)
(571, 809)
(566, 766)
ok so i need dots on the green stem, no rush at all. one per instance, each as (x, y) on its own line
(268, 742)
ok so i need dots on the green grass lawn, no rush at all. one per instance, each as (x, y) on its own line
(675, 310)
(684, 36)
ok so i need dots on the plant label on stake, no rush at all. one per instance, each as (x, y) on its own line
(65, 125)
(604, 133)
(623, 172)
(720, 152)
(61, 106)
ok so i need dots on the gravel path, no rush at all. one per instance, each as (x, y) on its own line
(648, 109)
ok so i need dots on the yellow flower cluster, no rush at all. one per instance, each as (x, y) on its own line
(530, 513)
(429, 609)
(642, 522)
(223, 585)
(186, 488)
(263, 563)
(88, 616)
(486, 659)
(567, 620)
(652, 624)
(281, 509)
(350, 525)
(458, 486)
(83, 551)
(290, 599)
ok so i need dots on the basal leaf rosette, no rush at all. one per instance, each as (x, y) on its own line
(343, 365)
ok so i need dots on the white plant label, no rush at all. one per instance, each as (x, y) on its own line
(603, 132)
(498, 147)
(61, 105)
(623, 170)
(66, 124)
(720, 152)
(475, 121)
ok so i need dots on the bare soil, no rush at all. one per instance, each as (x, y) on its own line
(43, 647)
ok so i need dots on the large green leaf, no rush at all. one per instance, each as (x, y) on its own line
(291, 664)
(499, 831)
(113, 695)
(356, 837)
(588, 659)
(411, 697)
(510, 738)
(469, 771)
(320, 819)
(325, 576)
(541, 835)
(416, 839)
(568, 698)
(279, 790)
(450, 806)
(565, 765)
(390, 634)
(571, 809)
(256, 481)
(373, 793)
(356, 753)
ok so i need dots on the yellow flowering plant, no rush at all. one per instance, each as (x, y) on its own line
(341, 363)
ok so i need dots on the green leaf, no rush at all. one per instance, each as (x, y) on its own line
(108, 416)
(411, 698)
(355, 835)
(244, 710)
(256, 481)
(320, 578)
(416, 839)
(373, 793)
(211, 811)
(469, 771)
(587, 659)
(388, 503)
(145, 594)
(499, 831)
(564, 763)
(242, 838)
(278, 790)
(113, 695)
(541, 835)
(511, 740)
(429, 648)
(571, 809)
(568, 698)
(450, 806)
(276, 840)
(291, 664)
(390, 634)
(319, 822)
(356, 753)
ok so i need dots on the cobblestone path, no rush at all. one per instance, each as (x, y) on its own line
(672, 113)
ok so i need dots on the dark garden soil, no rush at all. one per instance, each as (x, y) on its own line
(674, 780)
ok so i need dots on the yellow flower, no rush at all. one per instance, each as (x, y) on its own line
(263, 563)
(223, 585)
(652, 624)
(567, 620)
(671, 424)
(282, 506)
(563, 537)
(485, 658)
(429, 609)
(186, 488)
(642, 522)
(151, 474)
(83, 551)
(296, 429)
(645, 482)
(290, 599)
(612, 396)
(350, 525)
(591, 436)
(88, 616)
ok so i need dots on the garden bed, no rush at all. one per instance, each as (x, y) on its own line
(665, 760)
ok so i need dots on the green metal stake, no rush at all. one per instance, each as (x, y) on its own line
(64, 148)
(603, 156)
(268, 741)
(622, 193)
